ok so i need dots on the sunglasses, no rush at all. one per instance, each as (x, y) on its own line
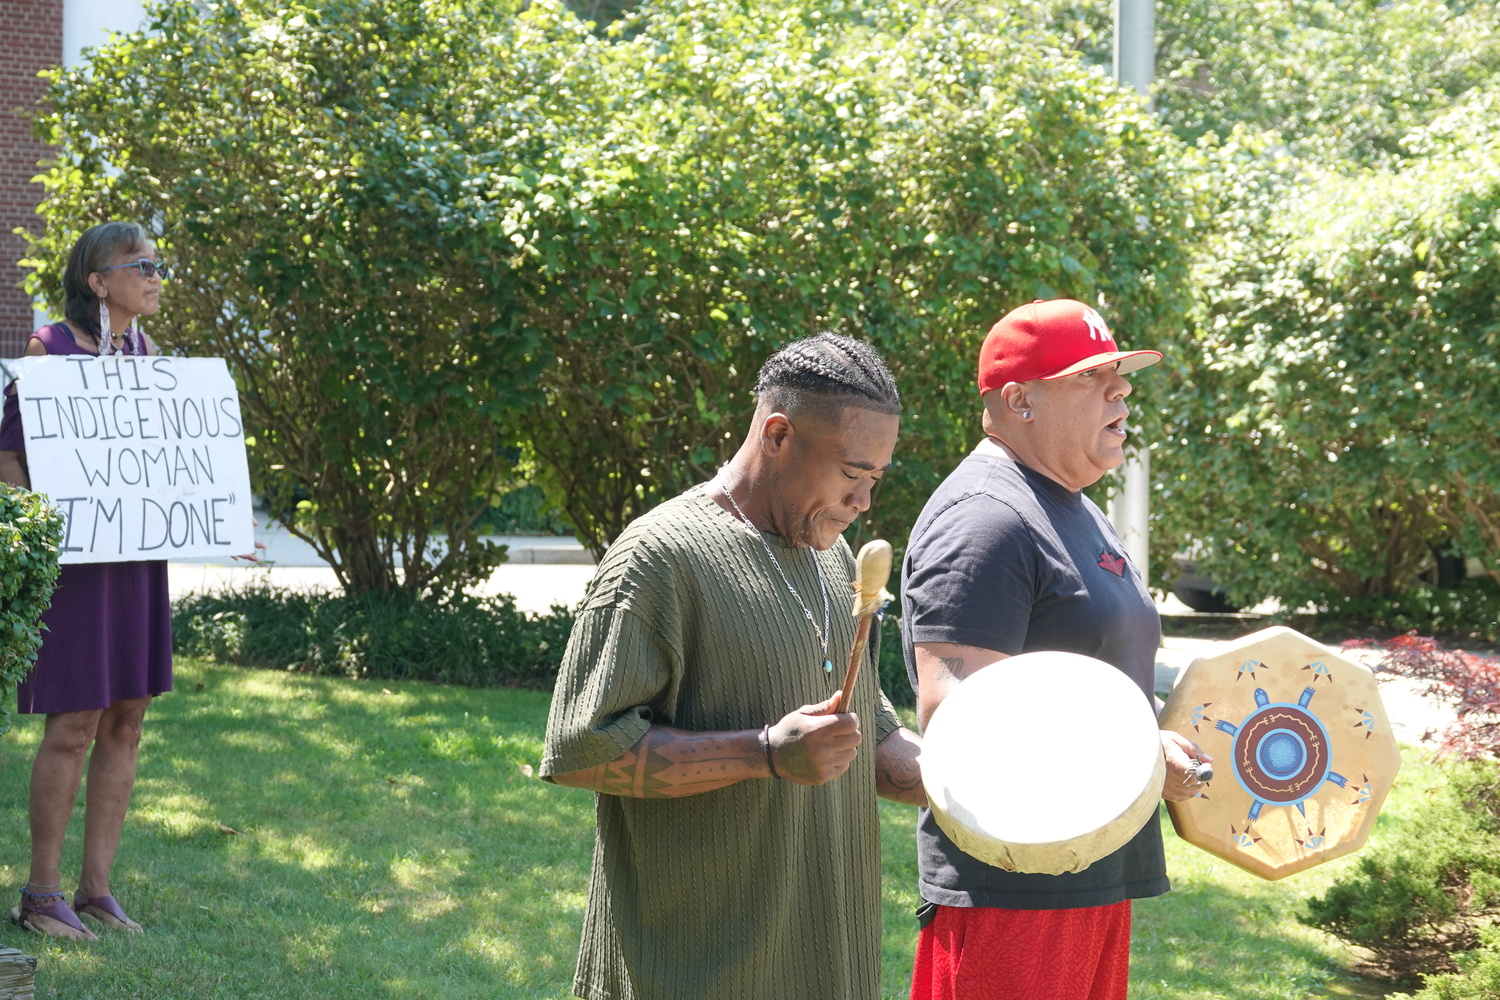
(149, 268)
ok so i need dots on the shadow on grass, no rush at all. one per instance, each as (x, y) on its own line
(296, 836)
(1224, 933)
(1208, 941)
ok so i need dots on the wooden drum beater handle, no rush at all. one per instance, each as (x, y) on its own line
(872, 568)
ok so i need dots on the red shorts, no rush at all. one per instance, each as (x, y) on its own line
(983, 953)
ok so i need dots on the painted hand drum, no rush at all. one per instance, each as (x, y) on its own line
(1303, 753)
(1043, 762)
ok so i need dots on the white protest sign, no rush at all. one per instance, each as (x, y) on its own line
(145, 456)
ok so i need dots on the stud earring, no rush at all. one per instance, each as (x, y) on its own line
(1025, 414)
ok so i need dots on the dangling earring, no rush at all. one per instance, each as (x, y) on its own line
(137, 337)
(105, 339)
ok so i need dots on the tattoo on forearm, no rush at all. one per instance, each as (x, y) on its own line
(669, 764)
(902, 776)
(898, 772)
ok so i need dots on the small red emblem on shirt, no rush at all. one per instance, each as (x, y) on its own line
(1115, 564)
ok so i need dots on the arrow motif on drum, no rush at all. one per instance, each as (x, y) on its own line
(1319, 669)
(1280, 753)
(1313, 841)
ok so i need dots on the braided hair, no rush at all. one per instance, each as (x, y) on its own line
(825, 373)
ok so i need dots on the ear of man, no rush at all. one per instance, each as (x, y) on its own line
(1006, 405)
(776, 431)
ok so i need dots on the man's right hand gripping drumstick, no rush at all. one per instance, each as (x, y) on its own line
(816, 743)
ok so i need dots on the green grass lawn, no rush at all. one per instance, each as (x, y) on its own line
(305, 837)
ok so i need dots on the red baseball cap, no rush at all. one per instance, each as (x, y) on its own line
(1048, 339)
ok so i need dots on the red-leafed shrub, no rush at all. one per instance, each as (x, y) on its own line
(1469, 681)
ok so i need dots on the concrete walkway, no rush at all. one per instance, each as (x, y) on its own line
(544, 571)
(541, 571)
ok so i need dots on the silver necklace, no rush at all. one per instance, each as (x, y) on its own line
(822, 584)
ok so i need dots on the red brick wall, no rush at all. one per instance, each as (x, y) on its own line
(30, 41)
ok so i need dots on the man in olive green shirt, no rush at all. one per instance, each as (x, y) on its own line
(738, 847)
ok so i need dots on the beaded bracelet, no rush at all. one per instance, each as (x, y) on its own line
(765, 739)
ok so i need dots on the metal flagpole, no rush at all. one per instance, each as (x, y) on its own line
(1135, 64)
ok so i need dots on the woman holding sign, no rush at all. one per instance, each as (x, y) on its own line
(108, 646)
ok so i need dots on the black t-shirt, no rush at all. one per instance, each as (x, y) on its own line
(1004, 558)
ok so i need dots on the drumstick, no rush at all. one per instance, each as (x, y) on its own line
(872, 568)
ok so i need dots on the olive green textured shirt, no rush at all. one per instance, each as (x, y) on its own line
(759, 891)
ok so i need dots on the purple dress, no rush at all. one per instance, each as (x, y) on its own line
(109, 630)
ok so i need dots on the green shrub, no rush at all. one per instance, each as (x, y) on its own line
(469, 641)
(30, 539)
(344, 191)
(525, 510)
(1477, 978)
(1332, 79)
(1430, 887)
(902, 173)
(892, 664)
(587, 245)
(1469, 612)
(1322, 435)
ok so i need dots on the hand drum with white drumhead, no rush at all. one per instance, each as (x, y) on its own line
(1303, 752)
(1043, 762)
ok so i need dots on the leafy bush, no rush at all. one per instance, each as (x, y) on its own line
(892, 664)
(343, 191)
(1477, 978)
(466, 641)
(1430, 887)
(900, 173)
(1333, 80)
(30, 542)
(1320, 434)
(525, 510)
(1467, 613)
(584, 244)
(596, 238)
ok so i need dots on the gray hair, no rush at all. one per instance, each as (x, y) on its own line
(92, 254)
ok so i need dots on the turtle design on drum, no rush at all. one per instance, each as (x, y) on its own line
(1293, 740)
(1281, 753)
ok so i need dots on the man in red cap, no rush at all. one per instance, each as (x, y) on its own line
(1009, 557)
